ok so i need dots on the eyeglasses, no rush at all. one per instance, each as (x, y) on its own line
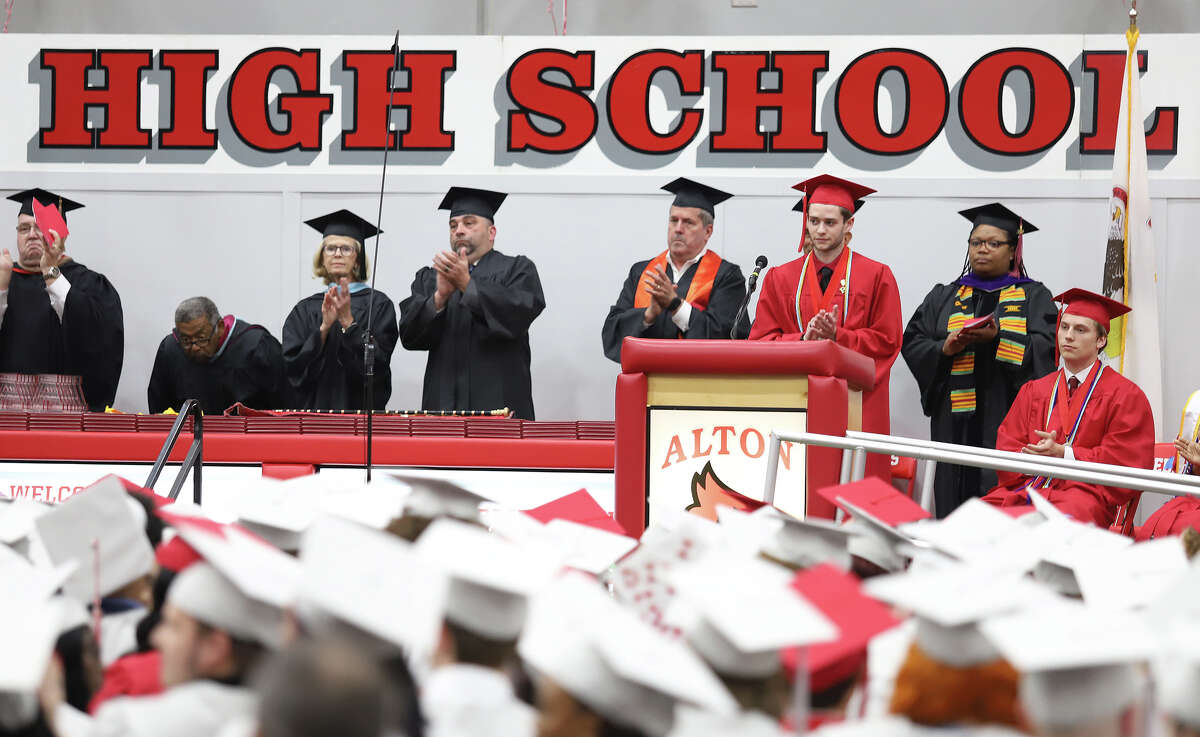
(333, 249)
(976, 243)
(26, 228)
(186, 342)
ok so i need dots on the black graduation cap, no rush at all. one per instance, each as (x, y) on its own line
(470, 201)
(858, 205)
(694, 194)
(27, 197)
(343, 222)
(999, 216)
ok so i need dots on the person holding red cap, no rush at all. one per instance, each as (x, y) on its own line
(1182, 513)
(1085, 410)
(832, 293)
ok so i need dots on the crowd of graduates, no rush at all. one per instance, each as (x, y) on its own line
(414, 606)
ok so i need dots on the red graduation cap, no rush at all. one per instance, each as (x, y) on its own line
(580, 507)
(1083, 303)
(878, 498)
(858, 618)
(49, 219)
(830, 190)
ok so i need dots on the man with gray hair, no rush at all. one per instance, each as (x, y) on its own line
(217, 360)
(687, 291)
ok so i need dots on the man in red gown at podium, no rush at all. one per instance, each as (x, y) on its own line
(832, 293)
(1085, 411)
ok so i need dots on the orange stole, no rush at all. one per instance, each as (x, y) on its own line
(698, 292)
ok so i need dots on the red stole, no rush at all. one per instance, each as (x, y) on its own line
(698, 292)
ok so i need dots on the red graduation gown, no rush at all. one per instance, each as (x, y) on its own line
(1118, 428)
(1171, 518)
(872, 326)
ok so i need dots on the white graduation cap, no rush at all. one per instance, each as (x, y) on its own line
(949, 603)
(434, 497)
(489, 578)
(103, 516)
(810, 542)
(587, 548)
(30, 623)
(1177, 677)
(1066, 544)
(693, 722)
(373, 581)
(1077, 662)
(16, 519)
(22, 575)
(980, 533)
(1131, 576)
(745, 612)
(241, 586)
(601, 654)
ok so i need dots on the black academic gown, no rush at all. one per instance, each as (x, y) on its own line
(329, 374)
(479, 344)
(89, 341)
(248, 370)
(714, 321)
(996, 382)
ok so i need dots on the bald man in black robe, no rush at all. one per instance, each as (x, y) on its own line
(472, 310)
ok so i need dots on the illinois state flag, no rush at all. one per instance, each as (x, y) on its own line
(1130, 262)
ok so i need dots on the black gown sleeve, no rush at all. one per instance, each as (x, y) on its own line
(505, 308)
(94, 334)
(302, 351)
(623, 318)
(421, 325)
(160, 392)
(716, 320)
(259, 382)
(922, 349)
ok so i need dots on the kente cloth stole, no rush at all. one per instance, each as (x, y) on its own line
(1014, 338)
(699, 291)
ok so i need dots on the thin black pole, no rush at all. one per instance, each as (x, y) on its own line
(369, 337)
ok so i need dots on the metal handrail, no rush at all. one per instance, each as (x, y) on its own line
(193, 461)
(1136, 473)
(969, 456)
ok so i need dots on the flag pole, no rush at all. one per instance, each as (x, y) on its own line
(1131, 38)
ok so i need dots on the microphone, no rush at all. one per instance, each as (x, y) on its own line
(760, 263)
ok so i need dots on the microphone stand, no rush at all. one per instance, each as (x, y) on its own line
(369, 345)
(744, 306)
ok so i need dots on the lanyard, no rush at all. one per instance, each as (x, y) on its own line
(808, 278)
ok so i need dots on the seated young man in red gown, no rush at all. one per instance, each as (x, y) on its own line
(1085, 411)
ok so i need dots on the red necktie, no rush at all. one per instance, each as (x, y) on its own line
(1072, 385)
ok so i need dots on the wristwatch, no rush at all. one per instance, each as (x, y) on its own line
(345, 329)
(674, 304)
(52, 272)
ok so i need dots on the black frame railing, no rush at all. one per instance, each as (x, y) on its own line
(193, 461)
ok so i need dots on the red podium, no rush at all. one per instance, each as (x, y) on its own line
(694, 416)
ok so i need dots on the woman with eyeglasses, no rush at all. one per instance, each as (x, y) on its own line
(324, 334)
(973, 342)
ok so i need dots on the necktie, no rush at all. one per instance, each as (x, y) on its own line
(1072, 385)
(824, 274)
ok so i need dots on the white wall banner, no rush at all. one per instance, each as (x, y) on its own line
(931, 106)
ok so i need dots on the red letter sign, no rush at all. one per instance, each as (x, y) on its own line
(567, 105)
(744, 98)
(305, 109)
(1108, 75)
(1051, 104)
(927, 101)
(423, 97)
(629, 100)
(70, 96)
(189, 100)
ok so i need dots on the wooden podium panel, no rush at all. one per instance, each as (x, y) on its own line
(694, 418)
